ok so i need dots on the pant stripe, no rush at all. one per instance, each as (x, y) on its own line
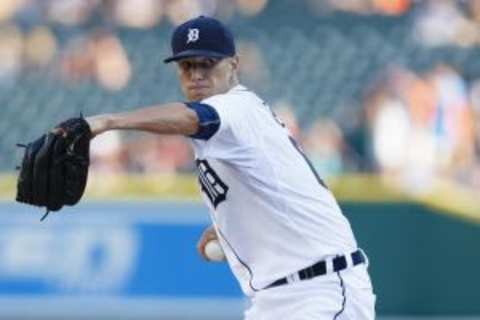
(344, 296)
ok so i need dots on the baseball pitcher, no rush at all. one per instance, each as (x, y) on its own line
(281, 229)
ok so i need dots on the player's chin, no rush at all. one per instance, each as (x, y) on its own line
(198, 94)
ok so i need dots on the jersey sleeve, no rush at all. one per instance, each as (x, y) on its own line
(208, 120)
(223, 132)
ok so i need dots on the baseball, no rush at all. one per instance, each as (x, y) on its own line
(214, 251)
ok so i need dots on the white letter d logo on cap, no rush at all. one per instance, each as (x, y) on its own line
(193, 35)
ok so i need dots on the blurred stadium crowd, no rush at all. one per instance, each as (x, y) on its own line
(388, 86)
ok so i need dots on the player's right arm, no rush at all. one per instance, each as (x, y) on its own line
(171, 118)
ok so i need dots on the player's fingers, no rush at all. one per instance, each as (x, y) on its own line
(201, 249)
(208, 235)
(202, 243)
(58, 131)
(201, 252)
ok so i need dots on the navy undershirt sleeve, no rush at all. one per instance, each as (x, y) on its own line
(209, 121)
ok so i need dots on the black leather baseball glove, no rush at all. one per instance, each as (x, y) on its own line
(54, 168)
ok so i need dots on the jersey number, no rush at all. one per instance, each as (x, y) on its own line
(215, 189)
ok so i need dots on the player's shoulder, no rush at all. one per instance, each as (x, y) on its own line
(237, 95)
(238, 109)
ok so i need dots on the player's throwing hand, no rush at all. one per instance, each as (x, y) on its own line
(208, 237)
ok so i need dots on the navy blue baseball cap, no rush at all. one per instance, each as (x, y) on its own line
(201, 37)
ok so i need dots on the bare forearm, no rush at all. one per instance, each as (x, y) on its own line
(171, 118)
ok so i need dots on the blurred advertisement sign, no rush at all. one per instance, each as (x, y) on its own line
(110, 259)
(68, 258)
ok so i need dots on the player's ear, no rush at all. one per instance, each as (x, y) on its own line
(235, 61)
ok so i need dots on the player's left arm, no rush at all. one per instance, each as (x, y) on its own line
(170, 118)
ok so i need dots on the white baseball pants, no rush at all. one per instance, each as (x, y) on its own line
(344, 295)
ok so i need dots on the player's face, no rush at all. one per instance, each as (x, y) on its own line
(202, 77)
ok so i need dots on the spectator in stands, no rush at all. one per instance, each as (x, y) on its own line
(402, 148)
(284, 112)
(107, 154)
(474, 176)
(324, 147)
(453, 123)
(443, 22)
(158, 154)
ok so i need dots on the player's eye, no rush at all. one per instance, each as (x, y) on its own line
(185, 65)
(205, 65)
(208, 64)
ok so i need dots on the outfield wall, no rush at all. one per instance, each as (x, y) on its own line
(138, 260)
(422, 261)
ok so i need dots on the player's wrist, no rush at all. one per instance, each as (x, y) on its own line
(99, 124)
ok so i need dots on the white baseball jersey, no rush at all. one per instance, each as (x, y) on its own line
(271, 211)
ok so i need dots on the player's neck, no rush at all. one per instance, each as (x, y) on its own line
(234, 82)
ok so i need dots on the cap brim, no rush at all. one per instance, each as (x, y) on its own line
(194, 53)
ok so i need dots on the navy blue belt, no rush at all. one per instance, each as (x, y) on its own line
(320, 268)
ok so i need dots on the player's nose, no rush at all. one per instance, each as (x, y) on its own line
(196, 74)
